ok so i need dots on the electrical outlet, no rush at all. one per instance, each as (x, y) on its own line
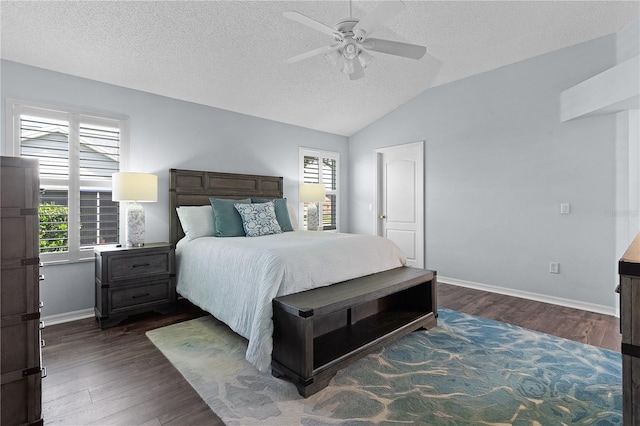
(554, 267)
(565, 208)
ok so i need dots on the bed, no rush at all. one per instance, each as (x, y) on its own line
(236, 279)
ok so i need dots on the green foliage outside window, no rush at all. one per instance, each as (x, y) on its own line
(53, 227)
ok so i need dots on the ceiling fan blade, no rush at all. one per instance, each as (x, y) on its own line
(382, 13)
(312, 23)
(311, 53)
(397, 48)
(358, 70)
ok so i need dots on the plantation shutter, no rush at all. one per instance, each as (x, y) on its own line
(77, 156)
(329, 179)
(321, 169)
(99, 158)
(47, 140)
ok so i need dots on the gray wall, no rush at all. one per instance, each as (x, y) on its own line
(498, 163)
(628, 150)
(166, 133)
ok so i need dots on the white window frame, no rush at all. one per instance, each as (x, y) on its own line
(321, 154)
(14, 109)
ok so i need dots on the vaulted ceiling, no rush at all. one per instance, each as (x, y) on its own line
(230, 54)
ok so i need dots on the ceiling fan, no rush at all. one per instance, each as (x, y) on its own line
(352, 41)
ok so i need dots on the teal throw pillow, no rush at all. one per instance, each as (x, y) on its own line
(259, 219)
(282, 213)
(228, 222)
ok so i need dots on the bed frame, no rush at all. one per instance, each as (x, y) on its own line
(320, 331)
(193, 188)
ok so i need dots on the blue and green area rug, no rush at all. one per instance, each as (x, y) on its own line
(467, 371)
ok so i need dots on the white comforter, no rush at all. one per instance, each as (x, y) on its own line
(235, 279)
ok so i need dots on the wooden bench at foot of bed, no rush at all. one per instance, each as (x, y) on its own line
(318, 332)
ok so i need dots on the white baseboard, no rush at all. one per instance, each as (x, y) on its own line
(591, 307)
(576, 304)
(68, 316)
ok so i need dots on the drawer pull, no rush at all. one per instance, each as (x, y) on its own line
(141, 265)
(138, 296)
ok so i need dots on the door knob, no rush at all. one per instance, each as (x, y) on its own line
(383, 216)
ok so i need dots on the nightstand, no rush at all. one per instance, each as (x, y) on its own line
(133, 280)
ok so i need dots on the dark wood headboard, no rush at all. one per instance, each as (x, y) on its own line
(193, 188)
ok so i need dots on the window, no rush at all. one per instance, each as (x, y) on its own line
(322, 167)
(77, 153)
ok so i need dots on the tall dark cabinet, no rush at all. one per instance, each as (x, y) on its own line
(20, 340)
(629, 289)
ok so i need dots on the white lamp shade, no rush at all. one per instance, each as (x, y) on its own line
(312, 193)
(129, 186)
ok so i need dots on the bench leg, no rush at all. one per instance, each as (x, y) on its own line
(276, 373)
(314, 385)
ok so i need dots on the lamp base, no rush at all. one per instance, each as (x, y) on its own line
(313, 218)
(135, 225)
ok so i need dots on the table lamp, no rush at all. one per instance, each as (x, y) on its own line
(134, 188)
(312, 193)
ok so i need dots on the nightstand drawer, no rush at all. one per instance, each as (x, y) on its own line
(138, 266)
(133, 280)
(124, 298)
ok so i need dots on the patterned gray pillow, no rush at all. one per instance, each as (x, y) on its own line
(259, 219)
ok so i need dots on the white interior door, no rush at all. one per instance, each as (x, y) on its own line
(400, 204)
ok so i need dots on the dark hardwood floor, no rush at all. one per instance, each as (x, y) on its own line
(117, 376)
(573, 324)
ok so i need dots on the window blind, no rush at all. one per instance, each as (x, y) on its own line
(99, 153)
(46, 139)
(77, 155)
(320, 169)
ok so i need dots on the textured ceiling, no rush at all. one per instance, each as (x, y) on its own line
(230, 54)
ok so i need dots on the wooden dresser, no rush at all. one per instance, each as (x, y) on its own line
(20, 344)
(629, 289)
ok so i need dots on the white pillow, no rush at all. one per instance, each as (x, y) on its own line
(197, 221)
(293, 215)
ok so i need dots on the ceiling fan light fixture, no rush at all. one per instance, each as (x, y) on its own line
(364, 58)
(347, 66)
(350, 51)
